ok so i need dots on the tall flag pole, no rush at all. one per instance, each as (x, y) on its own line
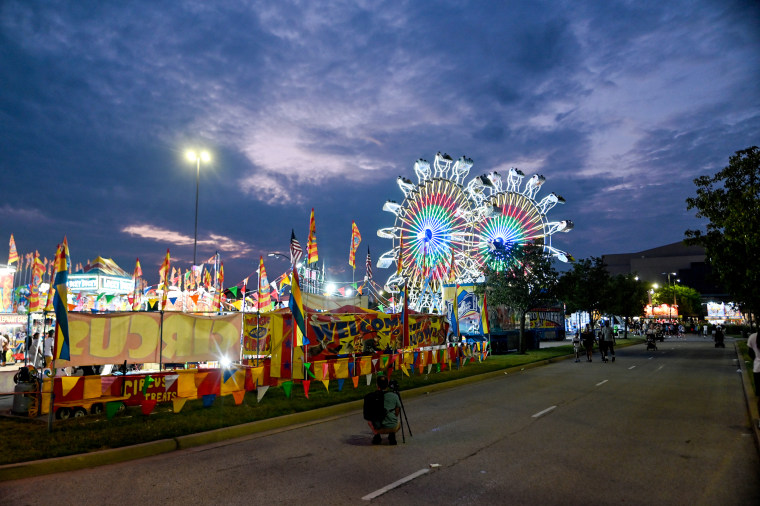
(311, 245)
(263, 283)
(369, 265)
(60, 304)
(136, 275)
(405, 317)
(12, 253)
(245, 283)
(400, 259)
(163, 273)
(218, 294)
(51, 292)
(356, 238)
(484, 327)
(296, 252)
(452, 275)
(296, 308)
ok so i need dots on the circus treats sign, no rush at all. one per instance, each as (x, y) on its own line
(154, 387)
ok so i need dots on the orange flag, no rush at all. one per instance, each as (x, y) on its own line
(311, 245)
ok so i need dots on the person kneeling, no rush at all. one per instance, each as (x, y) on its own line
(391, 423)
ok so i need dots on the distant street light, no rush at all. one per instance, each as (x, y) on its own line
(278, 255)
(197, 157)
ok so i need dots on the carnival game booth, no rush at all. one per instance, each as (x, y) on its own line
(340, 345)
(101, 286)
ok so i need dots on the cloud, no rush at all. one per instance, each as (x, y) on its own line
(232, 247)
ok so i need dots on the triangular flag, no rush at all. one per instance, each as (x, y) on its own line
(326, 383)
(112, 408)
(369, 379)
(169, 380)
(325, 371)
(260, 392)
(340, 384)
(147, 407)
(403, 368)
(355, 379)
(306, 384)
(287, 388)
(146, 384)
(238, 395)
(430, 367)
(178, 403)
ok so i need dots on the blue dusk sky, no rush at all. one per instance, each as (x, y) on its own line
(618, 104)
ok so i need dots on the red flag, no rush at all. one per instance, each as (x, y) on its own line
(38, 269)
(311, 244)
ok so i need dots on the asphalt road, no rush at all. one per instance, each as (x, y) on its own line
(660, 427)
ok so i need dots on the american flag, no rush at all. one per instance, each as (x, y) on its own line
(296, 252)
(369, 265)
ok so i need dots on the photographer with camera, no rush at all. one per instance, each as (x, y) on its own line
(382, 409)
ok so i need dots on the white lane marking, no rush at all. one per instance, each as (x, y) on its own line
(540, 413)
(650, 358)
(660, 367)
(395, 484)
(631, 367)
(602, 382)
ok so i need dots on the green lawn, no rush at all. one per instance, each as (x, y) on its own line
(25, 440)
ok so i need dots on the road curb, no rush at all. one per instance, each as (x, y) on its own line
(290, 421)
(749, 397)
(85, 460)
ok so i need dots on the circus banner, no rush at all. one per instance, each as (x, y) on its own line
(355, 333)
(256, 334)
(134, 338)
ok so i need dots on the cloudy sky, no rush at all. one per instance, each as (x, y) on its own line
(620, 105)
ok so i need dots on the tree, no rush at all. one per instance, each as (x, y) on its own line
(528, 280)
(730, 201)
(687, 299)
(628, 296)
(586, 288)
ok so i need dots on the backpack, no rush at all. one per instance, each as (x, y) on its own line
(374, 406)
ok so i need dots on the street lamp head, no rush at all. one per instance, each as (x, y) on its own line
(655, 286)
(203, 156)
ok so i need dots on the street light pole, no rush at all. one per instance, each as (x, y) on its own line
(197, 157)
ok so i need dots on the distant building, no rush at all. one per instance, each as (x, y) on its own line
(653, 266)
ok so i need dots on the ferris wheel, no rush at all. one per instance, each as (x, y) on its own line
(446, 232)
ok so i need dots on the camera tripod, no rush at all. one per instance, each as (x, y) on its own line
(393, 387)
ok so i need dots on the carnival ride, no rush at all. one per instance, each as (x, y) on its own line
(446, 231)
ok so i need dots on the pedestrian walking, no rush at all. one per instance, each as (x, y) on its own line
(587, 337)
(577, 346)
(608, 338)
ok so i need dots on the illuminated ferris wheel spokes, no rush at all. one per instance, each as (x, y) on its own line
(477, 224)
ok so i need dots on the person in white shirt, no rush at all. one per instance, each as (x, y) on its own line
(754, 352)
(48, 348)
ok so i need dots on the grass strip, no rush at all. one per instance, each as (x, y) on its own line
(25, 440)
